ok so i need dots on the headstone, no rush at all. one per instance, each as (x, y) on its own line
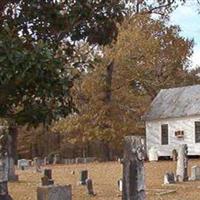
(7, 147)
(56, 159)
(12, 176)
(133, 169)
(83, 177)
(4, 191)
(36, 164)
(174, 155)
(169, 178)
(23, 164)
(182, 164)
(48, 173)
(46, 162)
(120, 185)
(54, 192)
(153, 154)
(195, 173)
(4, 195)
(90, 187)
(80, 160)
(47, 178)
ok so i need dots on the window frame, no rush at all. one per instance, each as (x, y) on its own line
(164, 130)
(196, 124)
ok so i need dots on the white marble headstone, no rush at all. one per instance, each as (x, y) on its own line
(195, 173)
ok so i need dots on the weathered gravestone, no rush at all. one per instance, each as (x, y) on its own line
(120, 185)
(80, 160)
(182, 164)
(7, 138)
(133, 169)
(4, 178)
(90, 187)
(153, 154)
(54, 192)
(169, 178)
(195, 173)
(23, 164)
(46, 161)
(174, 155)
(47, 178)
(56, 159)
(4, 195)
(37, 164)
(83, 177)
(48, 173)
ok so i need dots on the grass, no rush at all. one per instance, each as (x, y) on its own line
(105, 176)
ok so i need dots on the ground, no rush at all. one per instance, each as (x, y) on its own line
(105, 176)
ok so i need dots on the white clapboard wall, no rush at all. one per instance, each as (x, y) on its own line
(186, 124)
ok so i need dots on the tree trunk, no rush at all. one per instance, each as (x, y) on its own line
(133, 169)
(12, 153)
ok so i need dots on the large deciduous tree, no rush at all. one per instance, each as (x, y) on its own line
(147, 56)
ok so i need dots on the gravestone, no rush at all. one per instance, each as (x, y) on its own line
(7, 143)
(48, 173)
(54, 192)
(4, 165)
(4, 195)
(174, 155)
(120, 185)
(182, 164)
(56, 159)
(195, 173)
(169, 178)
(36, 163)
(46, 162)
(90, 187)
(80, 160)
(47, 178)
(153, 154)
(83, 177)
(23, 164)
(133, 169)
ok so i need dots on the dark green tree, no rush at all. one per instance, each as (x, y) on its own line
(38, 42)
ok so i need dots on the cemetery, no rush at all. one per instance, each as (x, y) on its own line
(134, 178)
(105, 177)
(99, 100)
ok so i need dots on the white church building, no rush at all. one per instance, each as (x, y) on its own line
(173, 119)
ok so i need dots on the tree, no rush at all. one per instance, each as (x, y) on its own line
(147, 56)
(38, 53)
(160, 8)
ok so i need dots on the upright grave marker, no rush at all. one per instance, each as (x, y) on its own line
(54, 192)
(37, 164)
(4, 167)
(83, 177)
(195, 173)
(89, 185)
(133, 169)
(182, 164)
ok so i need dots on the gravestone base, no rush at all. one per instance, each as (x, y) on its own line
(54, 192)
(4, 191)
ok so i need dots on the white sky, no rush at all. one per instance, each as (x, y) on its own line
(188, 19)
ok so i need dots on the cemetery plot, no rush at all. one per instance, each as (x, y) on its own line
(105, 177)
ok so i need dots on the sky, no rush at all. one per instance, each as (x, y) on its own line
(188, 19)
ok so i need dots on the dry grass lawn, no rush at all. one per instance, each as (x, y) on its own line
(105, 176)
